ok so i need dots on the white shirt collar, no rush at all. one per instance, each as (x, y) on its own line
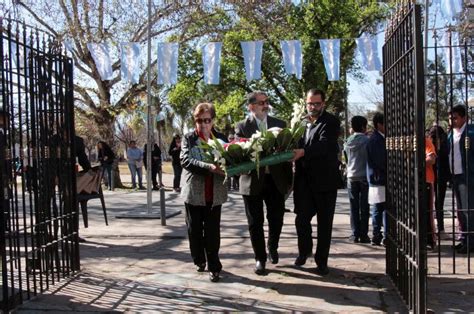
(460, 130)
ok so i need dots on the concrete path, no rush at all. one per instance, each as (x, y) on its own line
(139, 265)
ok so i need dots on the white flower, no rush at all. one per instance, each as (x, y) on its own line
(217, 154)
(298, 112)
(275, 130)
(256, 135)
(246, 145)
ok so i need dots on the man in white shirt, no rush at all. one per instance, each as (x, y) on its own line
(461, 161)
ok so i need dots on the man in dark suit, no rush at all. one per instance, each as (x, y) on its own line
(269, 186)
(317, 179)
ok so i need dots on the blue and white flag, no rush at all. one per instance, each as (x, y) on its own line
(292, 57)
(368, 50)
(130, 62)
(168, 63)
(211, 57)
(331, 48)
(100, 54)
(69, 45)
(452, 52)
(252, 58)
(450, 9)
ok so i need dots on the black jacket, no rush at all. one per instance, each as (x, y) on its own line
(377, 160)
(175, 152)
(155, 155)
(106, 151)
(318, 170)
(251, 184)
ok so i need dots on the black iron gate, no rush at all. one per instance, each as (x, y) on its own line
(38, 217)
(404, 124)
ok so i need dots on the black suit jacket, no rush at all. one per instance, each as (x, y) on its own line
(318, 170)
(251, 184)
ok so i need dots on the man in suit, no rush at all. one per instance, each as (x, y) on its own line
(461, 161)
(269, 186)
(317, 179)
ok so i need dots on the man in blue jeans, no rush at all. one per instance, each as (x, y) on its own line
(461, 160)
(135, 161)
(377, 177)
(355, 151)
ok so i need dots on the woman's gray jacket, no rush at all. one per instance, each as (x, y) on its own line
(196, 171)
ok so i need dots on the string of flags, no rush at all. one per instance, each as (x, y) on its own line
(292, 57)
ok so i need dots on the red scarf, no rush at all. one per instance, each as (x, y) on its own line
(209, 182)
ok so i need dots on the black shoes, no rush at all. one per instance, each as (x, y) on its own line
(201, 267)
(274, 257)
(464, 250)
(260, 268)
(353, 239)
(376, 241)
(214, 276)
(365, 239)
(322, 271)
(301, 260)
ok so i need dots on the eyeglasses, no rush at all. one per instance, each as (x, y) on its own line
(205, 121)
(262, 102)
(316, 104)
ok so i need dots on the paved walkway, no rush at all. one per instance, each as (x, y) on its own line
(139, 265)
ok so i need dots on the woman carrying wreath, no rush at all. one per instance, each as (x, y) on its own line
(204, 193)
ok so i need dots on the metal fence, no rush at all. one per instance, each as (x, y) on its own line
(38, 217)
(449, 81)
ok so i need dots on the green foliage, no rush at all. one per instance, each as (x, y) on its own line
(271, 22)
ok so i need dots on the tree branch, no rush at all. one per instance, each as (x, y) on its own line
(40, 20)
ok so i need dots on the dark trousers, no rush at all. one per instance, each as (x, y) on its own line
(177, 169)
(360, 213)
(325, 205)
(275, 203)
(440, 194)
(107, 169)
(431, 239)
(465, 205)
(204, 223)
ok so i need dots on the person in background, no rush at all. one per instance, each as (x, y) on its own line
(81, 153)
(106, 158)
(442, 174)
(175, 152)
(155, 165)
(430, 159)
(377, 178)
(355, 151)
(135, 161)
(203, 194)
(461, 159)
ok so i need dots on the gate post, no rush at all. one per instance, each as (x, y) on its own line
(403, 74)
